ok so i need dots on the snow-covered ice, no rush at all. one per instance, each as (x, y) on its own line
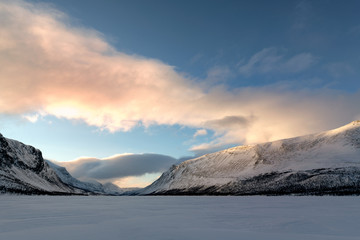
(255, 217)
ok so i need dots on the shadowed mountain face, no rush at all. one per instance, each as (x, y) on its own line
(23, 170)
(323, 163)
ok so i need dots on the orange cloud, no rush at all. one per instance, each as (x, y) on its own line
(139, 182)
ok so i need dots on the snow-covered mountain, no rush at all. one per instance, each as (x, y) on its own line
(23, 170)
(323, 163)
(92, 187)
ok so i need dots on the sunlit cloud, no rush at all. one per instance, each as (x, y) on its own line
(139, 182)
(200, 132)
(51, 67)
(32, 118)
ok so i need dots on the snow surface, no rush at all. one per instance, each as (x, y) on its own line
(102, 217)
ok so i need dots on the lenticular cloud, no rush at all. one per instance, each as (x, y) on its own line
(50, 67)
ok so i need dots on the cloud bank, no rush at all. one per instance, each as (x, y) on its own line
(50, 67)
(118, 167)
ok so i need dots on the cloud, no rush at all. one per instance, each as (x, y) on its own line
(51, 67)
(118, 166)
(32, 118)
(339, 69)
(218, 74)
(269, 60)
(139, 182)
(200, 132)
(230, 122)
(277, 114)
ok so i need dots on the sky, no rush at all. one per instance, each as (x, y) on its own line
(121, 90)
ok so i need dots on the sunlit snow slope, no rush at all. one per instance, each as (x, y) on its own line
(323, 163)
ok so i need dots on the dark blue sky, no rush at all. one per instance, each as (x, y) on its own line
(195, 36)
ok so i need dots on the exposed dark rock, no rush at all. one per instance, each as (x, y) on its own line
(24, 171)
(339, 181)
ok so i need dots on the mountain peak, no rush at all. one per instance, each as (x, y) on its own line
(353, 123)
(345, 128)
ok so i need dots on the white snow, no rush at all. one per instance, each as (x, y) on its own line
(35, 180)
(183, 218)
(23, 152)
(331, 149)
(28, 171)
(94, 186)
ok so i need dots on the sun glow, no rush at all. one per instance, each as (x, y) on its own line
(140, 182)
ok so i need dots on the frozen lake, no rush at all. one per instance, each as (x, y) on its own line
(101, 218)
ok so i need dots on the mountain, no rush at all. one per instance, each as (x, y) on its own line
(23, 170)
(323, 163)
(91, 187)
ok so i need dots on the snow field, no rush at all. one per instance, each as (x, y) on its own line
(256, 217)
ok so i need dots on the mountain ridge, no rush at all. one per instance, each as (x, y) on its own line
(90, 187)
(322, 163)
(326, 162)
(24, 171)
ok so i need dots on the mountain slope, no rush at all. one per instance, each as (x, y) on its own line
(23, 170)
(327, 162)
(93, 187)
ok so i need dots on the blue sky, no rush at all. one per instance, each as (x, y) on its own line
(178, 78)
(195, 36)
